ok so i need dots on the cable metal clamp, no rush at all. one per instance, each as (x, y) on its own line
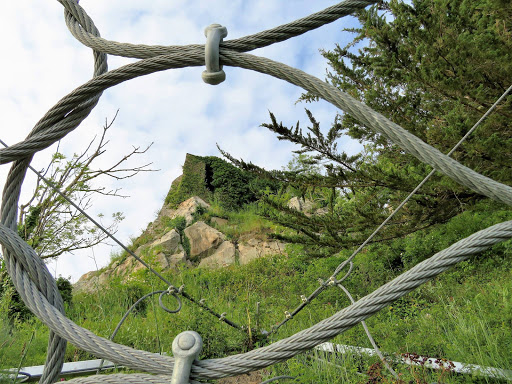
(214, 74)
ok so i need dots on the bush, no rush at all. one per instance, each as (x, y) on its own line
(65, 289)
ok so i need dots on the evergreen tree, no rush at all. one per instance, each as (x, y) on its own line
(434, 67)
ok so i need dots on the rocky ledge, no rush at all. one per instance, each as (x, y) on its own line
(198, 245)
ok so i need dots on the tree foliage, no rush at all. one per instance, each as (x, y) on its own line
(52, 226)
(49, 223)
(434, 67)
(214, 179)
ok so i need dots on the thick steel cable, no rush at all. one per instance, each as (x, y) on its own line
(123, 378)
(259, 358)
(76, 17)
(10, 197)
(342, 265)
(362, 309)
(332, 280)
(376, 121)
(288, 347)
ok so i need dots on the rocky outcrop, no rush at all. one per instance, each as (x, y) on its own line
(203, 240)
(188, 208)
(168, 243)
(223, 256)
(218, 221)
(206, 246)
(254, 249)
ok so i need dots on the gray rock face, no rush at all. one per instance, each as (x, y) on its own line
(161, 260)
(219, 221)
(223, 256)
(208, 247)
(203, 239)
(169, 242)
(301, 205)
(254, 249)
(178, 258)
(188, 208)
(248, 253)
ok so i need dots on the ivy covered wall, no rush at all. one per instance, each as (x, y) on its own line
(214, 179)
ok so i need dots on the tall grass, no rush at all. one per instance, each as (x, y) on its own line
(463, 315)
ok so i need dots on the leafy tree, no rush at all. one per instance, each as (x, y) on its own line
(49, 223)
(52, 226)
(433, 67)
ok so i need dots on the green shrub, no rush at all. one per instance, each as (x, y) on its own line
(214, 179)
(65, 289)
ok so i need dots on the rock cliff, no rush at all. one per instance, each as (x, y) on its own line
(184, 235)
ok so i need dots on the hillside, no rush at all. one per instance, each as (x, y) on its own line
(189, 233)
(228, 261)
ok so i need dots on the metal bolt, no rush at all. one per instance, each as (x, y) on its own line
(186, 341)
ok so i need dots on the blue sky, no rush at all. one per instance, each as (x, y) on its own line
(173, 109)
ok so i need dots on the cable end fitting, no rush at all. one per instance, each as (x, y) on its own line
(214, 74)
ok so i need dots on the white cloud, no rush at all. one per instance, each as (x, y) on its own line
(173, 109)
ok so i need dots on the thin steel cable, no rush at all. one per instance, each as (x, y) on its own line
(130, 310)
(370, 337)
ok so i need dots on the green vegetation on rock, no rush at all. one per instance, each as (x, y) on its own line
(214, 179)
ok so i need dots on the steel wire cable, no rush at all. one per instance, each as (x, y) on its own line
(76, 18)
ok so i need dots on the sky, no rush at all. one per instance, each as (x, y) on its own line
(174, 110)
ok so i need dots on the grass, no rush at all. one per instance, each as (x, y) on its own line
(240, 223)
(463, 315)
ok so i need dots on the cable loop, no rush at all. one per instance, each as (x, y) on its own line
(214, 74)
(171, 290)
(164, 307)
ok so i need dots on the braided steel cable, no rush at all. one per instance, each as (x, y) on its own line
(122, 378)
(76, 18)
(10, 197)
(259, 358)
